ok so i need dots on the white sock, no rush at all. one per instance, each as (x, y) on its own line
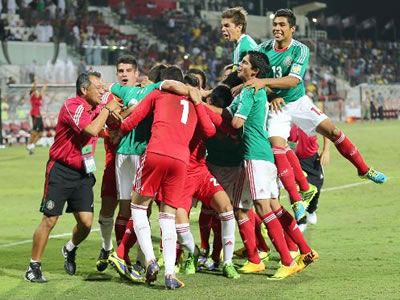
(228, 234)
(106, 228)
(167, 225)
(142, 229)
(185, 236)
(70, 245)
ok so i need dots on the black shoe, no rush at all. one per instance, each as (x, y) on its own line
(34, 273)
(102, 261)
(69, 260)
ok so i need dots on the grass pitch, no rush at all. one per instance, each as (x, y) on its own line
(357, 236)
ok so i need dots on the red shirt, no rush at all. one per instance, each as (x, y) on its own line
(74, 116)
(307, 146)
(173, 125)
(204, 130)
(36, 103)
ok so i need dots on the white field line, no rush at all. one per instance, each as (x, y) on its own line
(54, 236)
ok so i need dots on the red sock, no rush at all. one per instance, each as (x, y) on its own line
(290, 227)
(128, 240)
(301, 179)
(289, 242)
(217, 241)
(260, 241)
(285, 173)
(205, 223)
(119, 227)
(246, 229)
(349, 151)
(275, 233)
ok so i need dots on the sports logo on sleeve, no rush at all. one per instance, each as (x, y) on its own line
(296, 69)
(78, 114)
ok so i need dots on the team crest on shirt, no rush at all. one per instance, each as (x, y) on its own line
(50, 204)
(296, 69)
(132, 102)
(288, 61)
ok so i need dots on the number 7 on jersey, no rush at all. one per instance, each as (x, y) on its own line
(185, 111)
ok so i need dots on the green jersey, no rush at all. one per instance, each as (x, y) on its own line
(253, 108)
(244, 44)
(135, 142)
(293, 61)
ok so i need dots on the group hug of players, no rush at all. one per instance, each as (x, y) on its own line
(227, 148)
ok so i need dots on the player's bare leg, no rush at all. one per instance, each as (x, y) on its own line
(348, 150)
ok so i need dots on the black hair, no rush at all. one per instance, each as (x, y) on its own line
(172, 73)
(191, 80)
(127, 59)
(288, 14)
(202, 75)
(260, 62)
(232, 80)
(221, 96)
(83, 80)
(155, 72)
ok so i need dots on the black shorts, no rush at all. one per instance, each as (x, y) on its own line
(312, 166)
(37, 124)
(64, 184)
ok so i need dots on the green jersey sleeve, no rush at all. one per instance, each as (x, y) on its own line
(300, 62)
(246, 103)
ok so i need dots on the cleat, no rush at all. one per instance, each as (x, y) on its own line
(34, 273)
(189, 266)
(139, 268)
(299, 210)
(134, 275)
(229, 271)
(209, 265)
(250, 267)
(312, 218)
(304, 260)
(294, 254)
(119, 265)
(285, 271)
(201, 261)
(264, 256)
(309, 194)
(242, 253)
(152, 271)
(69, 260)
(102, 261)
(375, 176)
(173, 283)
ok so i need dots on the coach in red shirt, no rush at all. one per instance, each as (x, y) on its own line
(69, 172)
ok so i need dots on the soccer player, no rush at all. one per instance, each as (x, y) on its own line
(37, 121)
(69, 171)
(249, 112)
(162, 172)
(233, 28)
(202, 185)
(127, 74)
(289, 61)
(306, 149)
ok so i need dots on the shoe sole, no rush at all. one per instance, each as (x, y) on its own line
(121, 272)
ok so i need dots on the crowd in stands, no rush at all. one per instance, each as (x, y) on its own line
(362, 61)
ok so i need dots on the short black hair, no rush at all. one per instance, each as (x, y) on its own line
(288, 14)
(127, 59)
(172, 73)
(232, 80)
(83, 80)
(221, 96)
(155, 72)
(202, 75)
(191, 80)
(260, 62)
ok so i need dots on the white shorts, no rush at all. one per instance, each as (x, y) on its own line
(258, 181)
(125, 169)
(227, 177)
(301, 112)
